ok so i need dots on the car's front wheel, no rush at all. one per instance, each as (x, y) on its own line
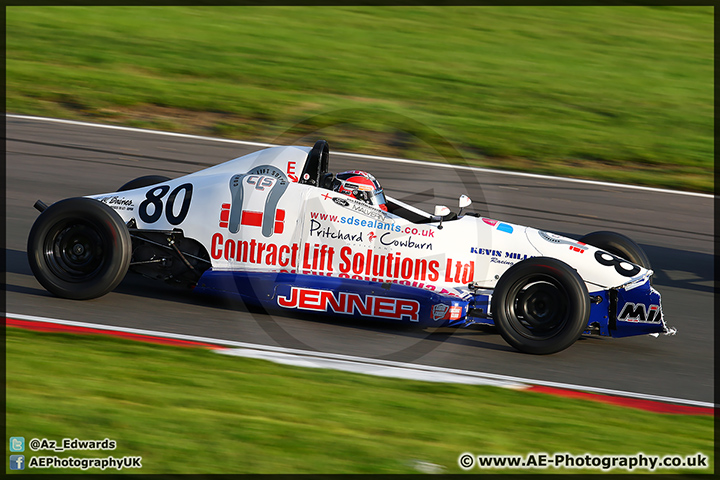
(620, 245)
(79, 248)
(540, 305)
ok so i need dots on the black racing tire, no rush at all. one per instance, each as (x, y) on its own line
(540, 305)
(79, 248)
(145, 181)
(619, 245)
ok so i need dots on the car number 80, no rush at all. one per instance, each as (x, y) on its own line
(154, 197)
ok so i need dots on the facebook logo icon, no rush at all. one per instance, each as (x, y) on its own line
(17, 462)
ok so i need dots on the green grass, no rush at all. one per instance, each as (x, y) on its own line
(193, 411)
(615, 93)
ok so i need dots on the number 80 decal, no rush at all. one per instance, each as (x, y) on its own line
(154, 197)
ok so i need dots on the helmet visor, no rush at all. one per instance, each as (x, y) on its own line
(370, 194)
(377, 198)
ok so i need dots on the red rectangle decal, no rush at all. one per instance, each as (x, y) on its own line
(253, 219)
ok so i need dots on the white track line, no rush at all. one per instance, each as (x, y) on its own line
(367, 157)
(363, 367)
(368, 364)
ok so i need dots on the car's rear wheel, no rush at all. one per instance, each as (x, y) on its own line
(79, 248)
(145, 181)
(540, 305)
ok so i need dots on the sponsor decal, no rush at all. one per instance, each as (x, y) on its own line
(439, 311)
(446, 312)
(552, 238)
(390, 265)
(252, 219)
(426, 232)
(557, 239)
(574, 246)
(368, 265)
(497, 254)
(486, 251)
(409, 243)
(351, 303)
(500, 260)
(318, 258)
(516, 256)
(459, 272)
(291, 173)
(638, 312)
(502, 227)
(394, 265)
(322, 259)
(117, 202)
(264, 183)
(317, 230)
(357, 206)
(224, 215)
(376, 224)
(455, 312)
(364, 209)
(253, 252)
(579, 248)
(371, 266)
(359, 222)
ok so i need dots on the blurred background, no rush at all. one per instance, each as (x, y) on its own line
(622, 94)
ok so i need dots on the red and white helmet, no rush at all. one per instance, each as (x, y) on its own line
(360, 185)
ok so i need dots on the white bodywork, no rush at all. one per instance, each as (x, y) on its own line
(251, 213)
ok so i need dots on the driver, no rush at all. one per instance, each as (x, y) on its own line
(360, 185)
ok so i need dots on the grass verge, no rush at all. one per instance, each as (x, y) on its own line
(613, 93)
(193, 411)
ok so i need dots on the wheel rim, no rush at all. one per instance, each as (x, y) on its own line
(539, 307)
(74, 250)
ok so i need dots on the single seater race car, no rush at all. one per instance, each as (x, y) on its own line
(277, 229)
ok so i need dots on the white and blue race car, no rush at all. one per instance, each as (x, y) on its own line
(270, 228)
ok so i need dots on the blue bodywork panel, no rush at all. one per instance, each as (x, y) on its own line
(638, 312)
(392, 302)
(615, 312)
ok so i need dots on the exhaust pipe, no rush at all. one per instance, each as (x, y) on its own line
(40, 206)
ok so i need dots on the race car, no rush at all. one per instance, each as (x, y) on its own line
(277, 229)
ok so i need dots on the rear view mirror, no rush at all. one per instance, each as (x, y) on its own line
(441, 210)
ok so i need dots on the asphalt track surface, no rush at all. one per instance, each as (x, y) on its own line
(51, 161)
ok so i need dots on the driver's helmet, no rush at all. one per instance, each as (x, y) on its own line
(361, 185)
